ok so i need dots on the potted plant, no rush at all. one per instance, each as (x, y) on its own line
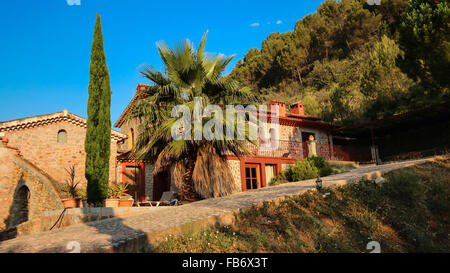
(82, 193)
(113, 200)
(71, 191)
(125, 199)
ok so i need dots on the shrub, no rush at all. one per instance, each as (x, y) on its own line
(277, 180)
(405, 186)
(311, 167)
(301, 170)
(320, 163)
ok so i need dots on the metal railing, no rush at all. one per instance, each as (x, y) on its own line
(300, 150)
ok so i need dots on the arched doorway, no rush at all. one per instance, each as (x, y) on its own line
(21, 205)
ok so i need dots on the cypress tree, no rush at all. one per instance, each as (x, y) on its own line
(98, 132)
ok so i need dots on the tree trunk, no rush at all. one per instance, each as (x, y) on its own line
(299, 77)
(187, 192)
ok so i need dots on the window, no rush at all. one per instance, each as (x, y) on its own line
(252, 178)
(62, 137)
(131, 138)
(270, 172)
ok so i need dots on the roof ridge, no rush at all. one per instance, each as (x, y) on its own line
(130, 105)
(39, 120)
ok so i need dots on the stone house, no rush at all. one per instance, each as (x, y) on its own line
(34, 155)
(249, 172)
(54, 142)
(37, 150)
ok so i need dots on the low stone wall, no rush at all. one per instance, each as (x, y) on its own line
(56, 219)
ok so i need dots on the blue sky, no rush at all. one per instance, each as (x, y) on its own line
(45, 45)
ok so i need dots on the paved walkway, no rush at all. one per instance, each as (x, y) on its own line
(139, 232)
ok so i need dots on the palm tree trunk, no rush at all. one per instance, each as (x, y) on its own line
(187, 192)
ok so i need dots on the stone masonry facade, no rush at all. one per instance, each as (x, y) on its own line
(40, 146)
(34, 155)
(25, 191)
(291, 126)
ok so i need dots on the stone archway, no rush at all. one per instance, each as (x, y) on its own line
(21, 206)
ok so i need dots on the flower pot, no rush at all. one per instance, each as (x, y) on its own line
(112, 203)
(126, 202)
(71, 203)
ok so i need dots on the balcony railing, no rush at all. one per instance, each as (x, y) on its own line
(299, 150)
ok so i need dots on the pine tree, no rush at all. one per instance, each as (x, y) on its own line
(98, 132)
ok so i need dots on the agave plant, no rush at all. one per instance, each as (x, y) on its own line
(201, 170)
(117, 190)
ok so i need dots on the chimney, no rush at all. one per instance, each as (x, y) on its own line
(141, 87)
(297, 108)
(281, 107)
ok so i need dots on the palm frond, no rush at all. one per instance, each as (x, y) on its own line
(189, 74)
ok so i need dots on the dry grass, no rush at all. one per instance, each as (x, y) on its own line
(408, 213)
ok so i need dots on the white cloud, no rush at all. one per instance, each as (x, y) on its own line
(73, 2)
(256, 24)
(279, 22)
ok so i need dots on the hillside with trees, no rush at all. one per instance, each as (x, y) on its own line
(350, 62)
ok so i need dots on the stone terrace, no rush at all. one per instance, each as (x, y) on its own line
(141, 232)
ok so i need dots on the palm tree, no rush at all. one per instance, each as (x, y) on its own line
(200, 167)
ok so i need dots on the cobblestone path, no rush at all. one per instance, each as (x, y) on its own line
(139, 232)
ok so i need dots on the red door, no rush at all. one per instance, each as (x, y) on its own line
(133, 180)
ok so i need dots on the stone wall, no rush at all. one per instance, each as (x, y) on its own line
(25, 192)
(235, 167)
(39, 145)
(149, 181)
(125, 129)
(57, 219)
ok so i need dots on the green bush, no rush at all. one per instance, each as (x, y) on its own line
(301, 170)
(320, 163)
(311, 167)
(277, 180)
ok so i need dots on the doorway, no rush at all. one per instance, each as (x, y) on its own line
(270, 172)
(133, 179)
(161, 184)
(21, 206)
(252, 176)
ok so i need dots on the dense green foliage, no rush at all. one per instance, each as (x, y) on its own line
(301, 170)
(320, 163)
(311, 167)
(350, 62)
(98, 133)
(407, 213)
(425, 36)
